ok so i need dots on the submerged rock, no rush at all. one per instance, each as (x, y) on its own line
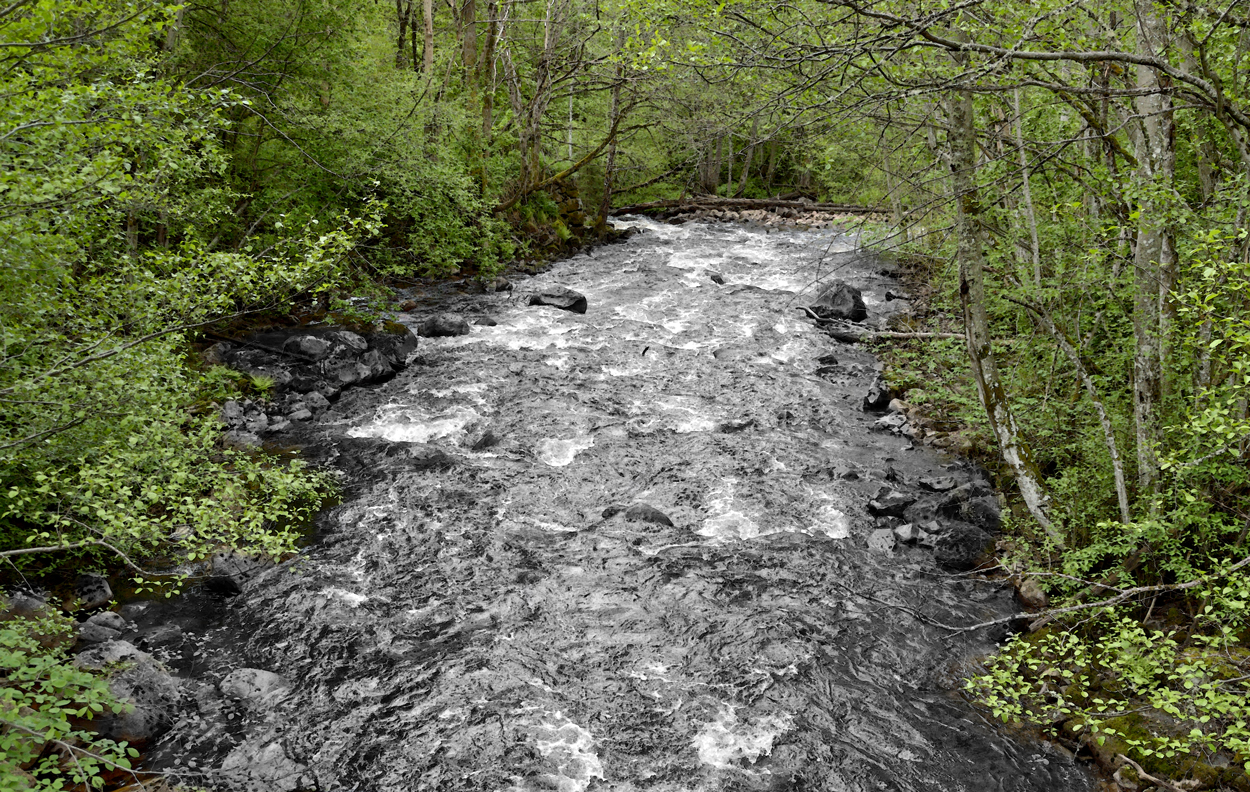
(560, 297)
(253, 685)
(645, 512)
(256, 766)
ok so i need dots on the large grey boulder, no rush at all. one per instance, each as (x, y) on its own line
(443, 325)
(560, 297)
(840, 301)
(153, 695)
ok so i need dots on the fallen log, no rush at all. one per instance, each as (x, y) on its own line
(709, 202)
(850, 334)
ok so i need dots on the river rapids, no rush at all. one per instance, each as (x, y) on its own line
(484, 611)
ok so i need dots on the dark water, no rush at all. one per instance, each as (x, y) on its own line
(471, 621)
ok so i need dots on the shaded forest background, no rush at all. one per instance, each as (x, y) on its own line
(1068, 185)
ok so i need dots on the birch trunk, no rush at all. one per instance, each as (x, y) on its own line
(1014, 449)
(1155, 260)
(427, 9)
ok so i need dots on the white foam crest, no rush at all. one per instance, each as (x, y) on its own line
(472, 388)
(352, 599)
(559, 452)
(830, 520)
(726, 742)
(570, 749)
(726, 518)
(414, 425)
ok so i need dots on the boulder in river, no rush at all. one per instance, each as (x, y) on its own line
(890, 503)
(560, 297)
(232, 572)
(840, 301)
(961, 547)
(443, 325)
(153, 695)
(257, 766)
(878, 397)
(645, 512)
(252, 685)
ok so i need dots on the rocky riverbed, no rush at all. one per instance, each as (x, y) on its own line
(673, 541)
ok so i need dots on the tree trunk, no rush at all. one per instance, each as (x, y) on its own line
(1155, 260)
(747, 156)
(609, 170)
(1014, 449)
(427, 9)
(1029, 215)
(403, 15)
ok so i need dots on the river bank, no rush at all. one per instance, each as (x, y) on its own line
(627, 547)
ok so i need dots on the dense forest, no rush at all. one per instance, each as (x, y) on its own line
(1068, 183)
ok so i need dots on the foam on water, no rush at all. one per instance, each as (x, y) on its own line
(569, 751)
(726, 518)
(559, 452)
(352, 599)
(726, 742)
(414, 425)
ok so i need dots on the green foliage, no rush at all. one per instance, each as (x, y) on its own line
(42, 698)
(1093, 679)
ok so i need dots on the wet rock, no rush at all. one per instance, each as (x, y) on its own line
(349, 340)
(345, 372)
(302, 414)
(240, 440)
(89, 633)
(878, 397)
(881, 540)
(937, 483)
(408, 305)
(109, 619)
(906, 533)
(216, 354)
(898, 406)
(560, 297)
(983, 511)
(890, 503)
(279, 424)
(153, 694)
(717, 278)
(232, 414)
(252, 685)
(92, 591)
(645, 512)
(894, 422)
(443, 325)
(255, 422)
(232, 572)
(309, 346)
(893, 294)
(253, 767)
(740, 425)
(926, 509)
(485, 321)
(161, 635)
(24, 604)
(961, 547)
(486, 439)
(840, 301)
(1031, 594)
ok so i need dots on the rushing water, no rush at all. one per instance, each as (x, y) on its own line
(470, 619)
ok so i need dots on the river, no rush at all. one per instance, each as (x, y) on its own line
(482, 611)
